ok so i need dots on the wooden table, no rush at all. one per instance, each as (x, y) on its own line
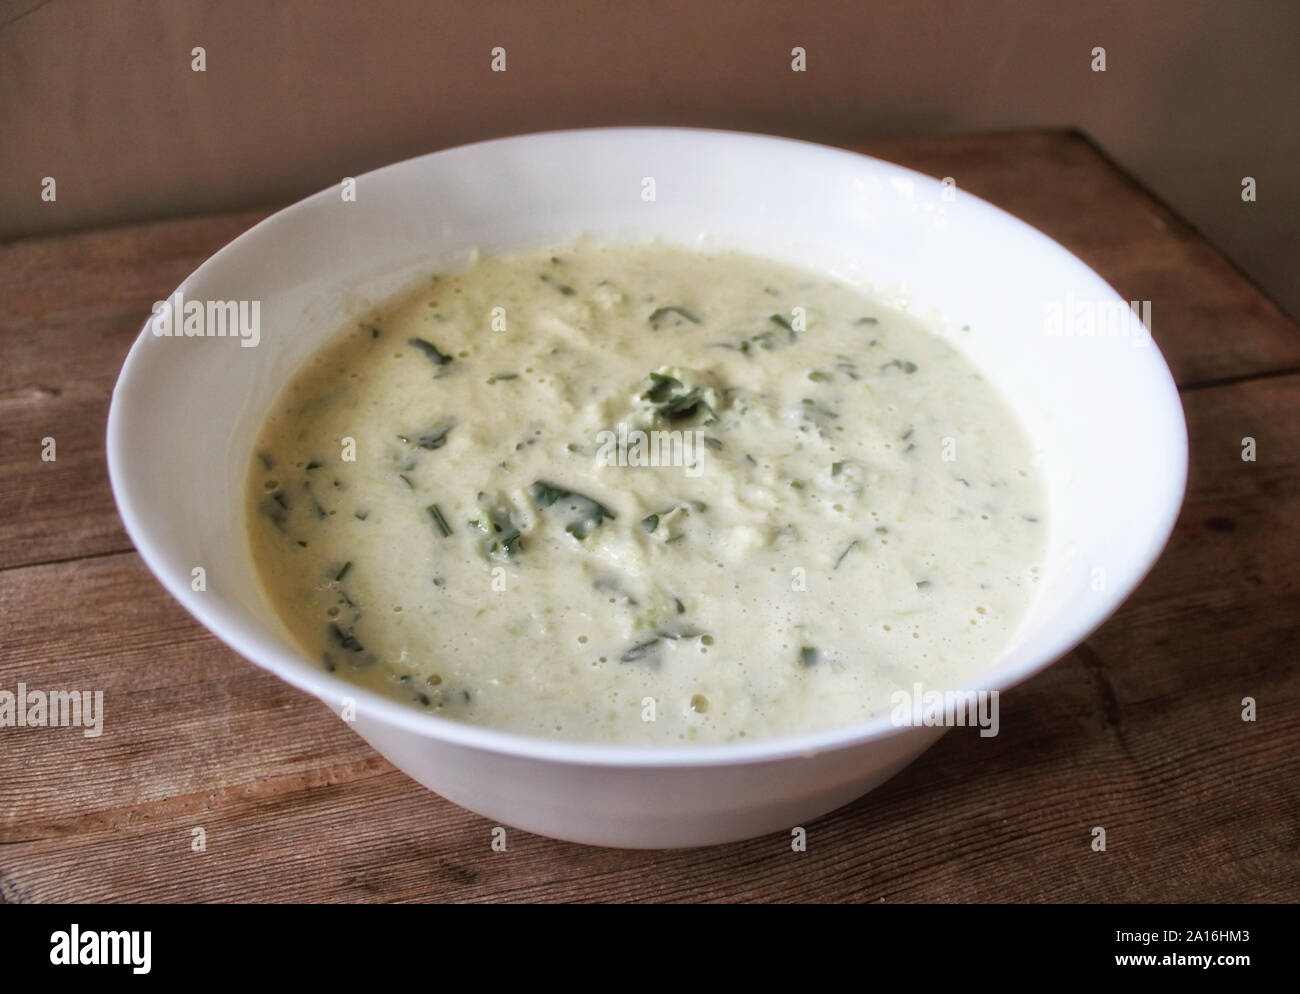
(1138, 731)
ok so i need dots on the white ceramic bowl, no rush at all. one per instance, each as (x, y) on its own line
(1103, 411)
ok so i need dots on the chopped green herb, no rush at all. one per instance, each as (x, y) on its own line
(649, 648)
(338, 577)
(661, 388)
(662, 312)
(821, 410)
(504, 538)
(344, 638)
(903, 364)
(764, 340)
(681, 407)
(439, 520)
(431, 350)
(639, 651)
(564, 288)
(849, 548)
(435, 439)
(809, 656)
(674, 400)
(590, 512)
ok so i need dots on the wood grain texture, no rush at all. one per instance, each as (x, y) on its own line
(1138, 731)
(73, 306)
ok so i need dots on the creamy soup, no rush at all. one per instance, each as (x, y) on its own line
(632, 493)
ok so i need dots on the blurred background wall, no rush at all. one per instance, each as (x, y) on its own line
(101, 95)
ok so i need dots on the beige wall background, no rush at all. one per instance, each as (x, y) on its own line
(101, 95)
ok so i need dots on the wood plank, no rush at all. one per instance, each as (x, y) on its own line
(73, 306)
(1139, 732)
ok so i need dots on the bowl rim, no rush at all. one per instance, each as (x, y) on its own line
(1011, 670)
